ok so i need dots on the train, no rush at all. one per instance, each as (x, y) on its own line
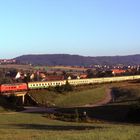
(4, 88)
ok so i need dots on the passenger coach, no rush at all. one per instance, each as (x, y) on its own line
(40, 85)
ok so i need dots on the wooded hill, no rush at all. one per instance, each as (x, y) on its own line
(71, 60)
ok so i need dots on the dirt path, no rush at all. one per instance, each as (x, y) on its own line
(105, 101)
(9, 113)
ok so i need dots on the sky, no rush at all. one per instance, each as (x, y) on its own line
(83, 27)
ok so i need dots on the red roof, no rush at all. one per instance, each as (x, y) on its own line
(53, 78)
(83, 76)
(118, 71)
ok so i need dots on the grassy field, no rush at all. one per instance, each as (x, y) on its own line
(16, 66)
(29, 67)
(22, 126)
(2, 109)
(69, 68)
(74, 98)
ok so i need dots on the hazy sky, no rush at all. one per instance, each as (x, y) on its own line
(85, 27)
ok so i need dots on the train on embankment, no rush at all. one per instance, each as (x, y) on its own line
(45, 84)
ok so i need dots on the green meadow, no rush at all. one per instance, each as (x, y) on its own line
(21, 126)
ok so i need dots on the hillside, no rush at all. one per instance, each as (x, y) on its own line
(66, 59)
(69, 99)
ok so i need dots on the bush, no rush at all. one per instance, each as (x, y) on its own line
(64, 88)
(134, 114)
(8, 103)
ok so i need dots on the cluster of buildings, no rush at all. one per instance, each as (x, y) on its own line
(117, 69)
(59, 74)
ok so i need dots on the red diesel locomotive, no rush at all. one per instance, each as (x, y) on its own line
(13, 87)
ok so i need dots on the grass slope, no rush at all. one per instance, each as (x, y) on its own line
(127, 94)
(90, 96)
(75, 98)
(2, 109)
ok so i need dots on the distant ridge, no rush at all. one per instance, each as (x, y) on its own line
(71, 60)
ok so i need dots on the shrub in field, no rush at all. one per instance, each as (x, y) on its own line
(64, 88)
(134, 114)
